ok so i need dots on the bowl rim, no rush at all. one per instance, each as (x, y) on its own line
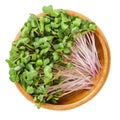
(94, 91)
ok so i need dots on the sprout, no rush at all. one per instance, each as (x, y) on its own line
(85, 66)
(84, 55)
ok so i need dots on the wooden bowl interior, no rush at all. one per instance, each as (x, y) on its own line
(79, 97)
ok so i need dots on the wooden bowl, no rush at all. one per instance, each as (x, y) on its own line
(78, 98)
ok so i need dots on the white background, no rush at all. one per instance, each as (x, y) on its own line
(105, 105)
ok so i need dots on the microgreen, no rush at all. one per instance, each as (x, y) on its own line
(38, 57)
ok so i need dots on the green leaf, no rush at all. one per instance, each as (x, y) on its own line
(22, 47)
(44, 51)
(49, 38)
(38, 105)
(39, 41)
(54, 25)
(30, 89)
(58, 46)
(34, 56)
(64, 17)
(55, 56)
(10, 63)
(14, 53)
(33, 17)
(77, 22)
(57, 20)
(28, 76)
(69, 65)
(45, 45)
(41, 90)
(67, 51)
(69, 44)
(13, 75)
(47, 78)
(47, 9)
(84, 25)
(33, 32)
(48, 72)
(41, 98)
(92, 26)
(29, 26)
(50, 97)
(29, 67)
(41, 25)
(64, 41)
(22, 41)
(75, 30)
(24, 32)
(39, 62)
(17, 68)
(25, 59)
(47, 19)
(48, 28)
(34, 23)
(46, 61)
(54, 14)
(64, 26)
